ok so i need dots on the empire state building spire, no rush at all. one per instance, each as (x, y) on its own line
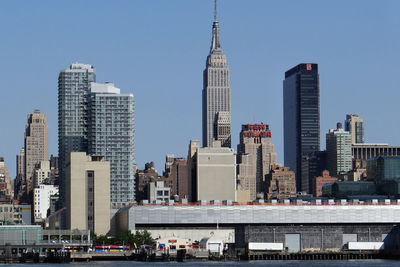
(216, 94)
(215, 43)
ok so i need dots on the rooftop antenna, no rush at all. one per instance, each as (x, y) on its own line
(215, 10)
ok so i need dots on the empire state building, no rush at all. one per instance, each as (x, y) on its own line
(216, 94)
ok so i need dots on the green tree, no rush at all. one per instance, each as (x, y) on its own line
(100, 240)
(124, 238)
(143, 238)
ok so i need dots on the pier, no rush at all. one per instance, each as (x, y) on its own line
(316, 256)
(101, 255)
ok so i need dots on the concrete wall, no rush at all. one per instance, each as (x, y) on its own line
(262, 214)
(314, 236)
(113, 222)
(122, 221)
(77, 203)
(216, 174)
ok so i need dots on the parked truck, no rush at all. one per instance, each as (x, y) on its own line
(262, 246)
(365, 245)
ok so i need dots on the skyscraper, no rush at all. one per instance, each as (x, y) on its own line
(36, 146)
(355, 125)
(97, 119)
(73, 88)
(255, 157)
(111, 134)
(20, 178)
(301, 115)
(338, 151)
(216, 93)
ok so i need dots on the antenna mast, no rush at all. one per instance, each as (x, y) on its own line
(215, 10)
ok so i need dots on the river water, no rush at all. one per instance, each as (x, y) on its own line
(379, 263)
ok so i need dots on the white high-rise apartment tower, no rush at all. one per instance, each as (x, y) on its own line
(216, 94)
(73, 90)
(96, 119)
(111, 134)
(338, 151)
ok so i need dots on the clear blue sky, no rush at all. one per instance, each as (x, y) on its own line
(156, 49)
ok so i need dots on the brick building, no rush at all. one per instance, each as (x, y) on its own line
(280, 182)
(176, 175)
(320, 181)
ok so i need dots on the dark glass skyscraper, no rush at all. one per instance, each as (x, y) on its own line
(301, 115)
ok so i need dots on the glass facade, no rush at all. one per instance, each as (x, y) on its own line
(359, 132)
(301, 118)
(73, 88)
(383, 168)
(345, 189)
(111, 134)
(313, 166)
(389, 187)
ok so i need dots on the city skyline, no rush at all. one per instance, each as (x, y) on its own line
(256, 96)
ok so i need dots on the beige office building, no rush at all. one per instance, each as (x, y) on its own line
(280, 183)
(88, 193)
(255, 157)
(355, 126)
(36, 145)
(223, 128)
(215, 172)
(42, 173)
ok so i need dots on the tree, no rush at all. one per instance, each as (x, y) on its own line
(99, 240)
(143, 238)
(124, 238)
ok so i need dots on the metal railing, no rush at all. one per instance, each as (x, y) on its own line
(330, 202)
